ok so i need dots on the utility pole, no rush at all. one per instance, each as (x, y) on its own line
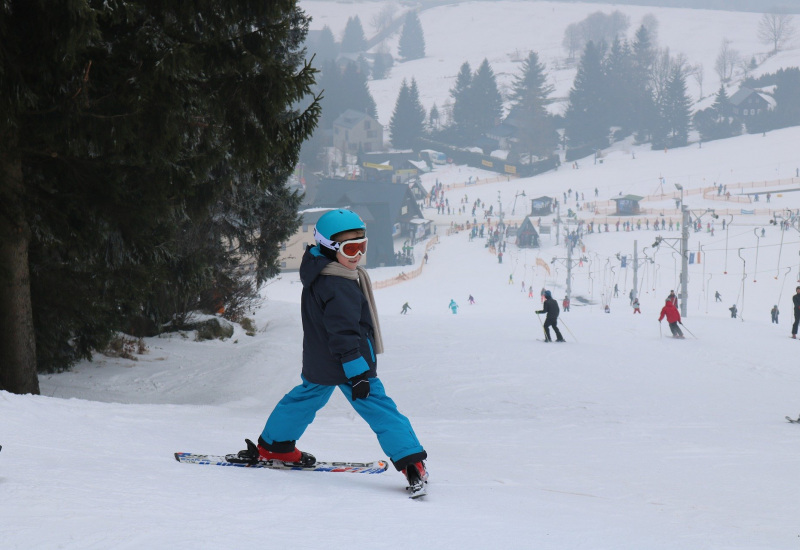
(684, 259)
(558, 221)
(635, 270)
(569, 268)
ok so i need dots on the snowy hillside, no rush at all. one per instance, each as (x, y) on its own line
(505, 31)
(621, 438)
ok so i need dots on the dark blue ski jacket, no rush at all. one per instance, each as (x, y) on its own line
(337, 326)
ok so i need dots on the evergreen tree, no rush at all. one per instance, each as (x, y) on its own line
(355, 92)
(716, 121)
(643, 110)
(353, 39)
(434, 120)
(722, 103)
(619, 90)
(139, 143)
(463, 103)
(530, 95)
(326, 49)
(408, 119)
(487, 101)
(675, 111)
(585, 120)
(412, 40)
(787, 97)
(342, 90)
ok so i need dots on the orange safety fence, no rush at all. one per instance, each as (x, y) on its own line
(406, 276)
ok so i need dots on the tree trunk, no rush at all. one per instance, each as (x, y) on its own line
(17, 339)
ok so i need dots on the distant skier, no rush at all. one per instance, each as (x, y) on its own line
(673, 318)
(796, 309)
(733, 311)
(471, 300)
(550, 307)
(607, 309)
(717, 295)
(774, 314)
(565, 303)
(616, 290)
(636, 306)
(405, 309)
(453, 306)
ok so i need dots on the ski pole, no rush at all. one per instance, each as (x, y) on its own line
(659, 330)
(689, 331)
(542, 325)
(570, 332)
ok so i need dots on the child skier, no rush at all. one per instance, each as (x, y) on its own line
(453, 306)
(341, 337)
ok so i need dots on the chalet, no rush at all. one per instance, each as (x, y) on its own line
(389, 210)
(747, 103)
(627, 205)
(354, 131)
(527, 236)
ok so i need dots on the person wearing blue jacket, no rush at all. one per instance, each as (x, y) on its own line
(341, 340)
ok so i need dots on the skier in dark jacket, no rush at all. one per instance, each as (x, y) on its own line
(341, 337)
(550, 307)
(796, 309)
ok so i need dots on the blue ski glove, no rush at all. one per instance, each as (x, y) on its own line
(360, 386)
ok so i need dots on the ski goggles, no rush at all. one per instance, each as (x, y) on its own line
(349, 249)
(352, 248)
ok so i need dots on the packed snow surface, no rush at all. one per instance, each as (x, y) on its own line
(622, 438)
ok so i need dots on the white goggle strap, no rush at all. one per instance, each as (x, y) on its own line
(327, 243)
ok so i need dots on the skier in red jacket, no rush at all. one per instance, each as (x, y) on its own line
(673, 318)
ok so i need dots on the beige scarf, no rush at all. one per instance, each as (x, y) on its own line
(360, 274)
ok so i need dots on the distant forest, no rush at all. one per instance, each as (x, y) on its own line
(759, 6)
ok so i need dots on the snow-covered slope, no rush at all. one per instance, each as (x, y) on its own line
(620, 438)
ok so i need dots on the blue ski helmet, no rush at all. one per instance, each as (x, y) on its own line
(332, 223)
(548, 294)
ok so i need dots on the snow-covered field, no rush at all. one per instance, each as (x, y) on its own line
(621, 438)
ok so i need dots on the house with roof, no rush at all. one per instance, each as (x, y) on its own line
(747, 102)
(527, 235)
(389, 210)
(354, 131)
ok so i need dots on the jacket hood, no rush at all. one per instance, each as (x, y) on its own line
(312, 264)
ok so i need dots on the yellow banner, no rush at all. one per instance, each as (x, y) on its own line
(378, 166)
(542, 263)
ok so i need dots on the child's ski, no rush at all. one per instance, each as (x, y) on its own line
(376, 467)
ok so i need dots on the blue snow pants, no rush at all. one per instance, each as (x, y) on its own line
(295, 412)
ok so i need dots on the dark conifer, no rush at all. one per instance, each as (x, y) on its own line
(141, 166)
(412, 39)
(530, 94)
(353, 39)
(586, 120)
